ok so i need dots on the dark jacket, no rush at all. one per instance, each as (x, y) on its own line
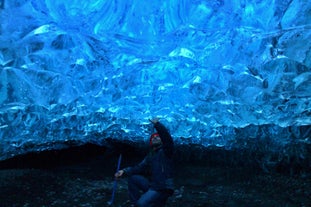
(158, 162)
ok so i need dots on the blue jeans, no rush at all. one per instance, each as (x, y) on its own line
(141, 195)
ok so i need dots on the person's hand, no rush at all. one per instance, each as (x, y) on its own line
(119, 174)
(154, 120)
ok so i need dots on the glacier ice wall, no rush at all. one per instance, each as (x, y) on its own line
(214, 71)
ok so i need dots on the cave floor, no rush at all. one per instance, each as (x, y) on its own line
(89, 184)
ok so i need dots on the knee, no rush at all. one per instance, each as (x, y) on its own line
(136, 179)
(132, 179)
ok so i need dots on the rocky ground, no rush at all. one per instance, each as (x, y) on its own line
(88, 182)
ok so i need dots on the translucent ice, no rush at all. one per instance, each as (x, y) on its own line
(83, 71)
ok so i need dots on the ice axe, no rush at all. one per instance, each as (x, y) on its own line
(115, 183)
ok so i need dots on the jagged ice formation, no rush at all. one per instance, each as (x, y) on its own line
(222, 73)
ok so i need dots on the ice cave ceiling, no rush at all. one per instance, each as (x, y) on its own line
(214, 71)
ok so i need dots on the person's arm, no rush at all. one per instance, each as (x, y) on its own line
(166, 138)
(138, 169)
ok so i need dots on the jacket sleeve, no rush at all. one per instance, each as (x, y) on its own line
(140, 168)
(166, 138)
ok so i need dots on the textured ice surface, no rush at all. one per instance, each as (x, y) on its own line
(83, 71)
